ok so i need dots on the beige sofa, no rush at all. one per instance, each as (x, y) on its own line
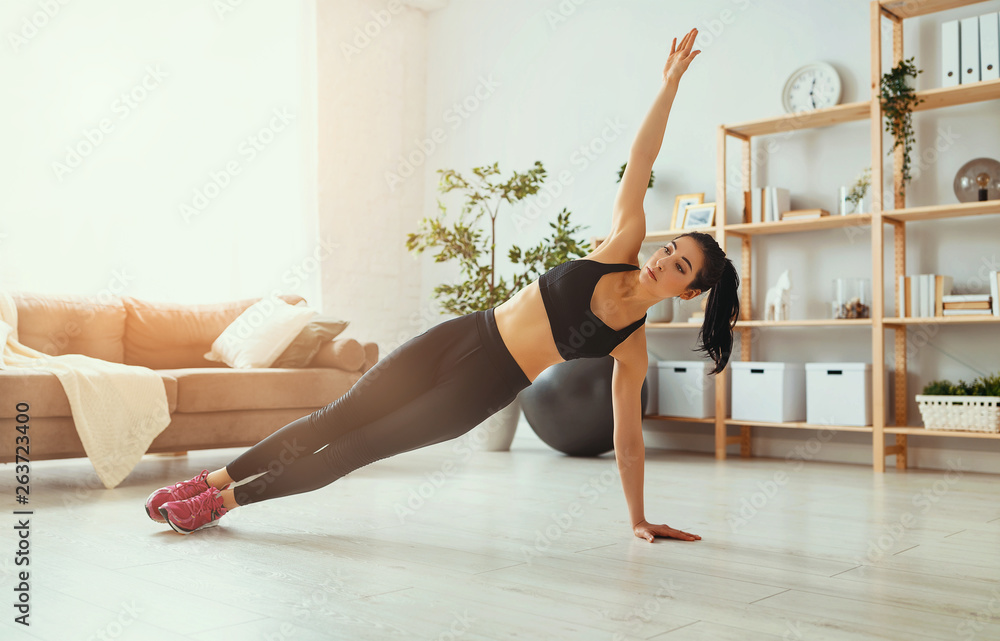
(211, 405)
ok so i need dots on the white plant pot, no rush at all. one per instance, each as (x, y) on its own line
(496, 433)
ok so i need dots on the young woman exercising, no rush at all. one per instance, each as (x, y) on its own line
(442, 383)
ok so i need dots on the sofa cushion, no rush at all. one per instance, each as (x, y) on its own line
(45, 393)
(66, 324)
(303, 349)
(260, 334)
(213, 389)
(174, 335)
(340, 353)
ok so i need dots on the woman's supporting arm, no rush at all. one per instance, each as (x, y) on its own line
(630, 453)
(626, 400)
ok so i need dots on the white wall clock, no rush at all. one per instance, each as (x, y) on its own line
(813, 86)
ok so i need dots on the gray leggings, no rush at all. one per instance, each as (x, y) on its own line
(433, 388)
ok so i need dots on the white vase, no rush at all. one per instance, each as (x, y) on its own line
(845, 206)
(496, 433)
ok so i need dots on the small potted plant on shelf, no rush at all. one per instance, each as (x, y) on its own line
(479, 287)
(854, 198)
(969, 407)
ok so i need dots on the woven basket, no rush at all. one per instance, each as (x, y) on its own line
(960, 413)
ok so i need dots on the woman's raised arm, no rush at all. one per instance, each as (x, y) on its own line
(650, 137)
(646, 146)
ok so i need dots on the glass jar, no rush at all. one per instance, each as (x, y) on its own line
(851, 298)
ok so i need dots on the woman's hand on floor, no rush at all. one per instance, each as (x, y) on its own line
(680, 57)
(648, 531)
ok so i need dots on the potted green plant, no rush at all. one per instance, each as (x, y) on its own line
(970, 407)
(898, 100)
(855, 197)
(475, 249)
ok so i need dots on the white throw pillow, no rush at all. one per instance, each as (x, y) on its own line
(260, 334)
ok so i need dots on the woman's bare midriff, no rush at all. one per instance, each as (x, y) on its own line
(525, 330)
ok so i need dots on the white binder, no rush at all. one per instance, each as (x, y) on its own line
(950, 59)
(970, 50)
(989, 46)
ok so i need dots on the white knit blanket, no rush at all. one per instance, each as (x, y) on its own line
(118, 409)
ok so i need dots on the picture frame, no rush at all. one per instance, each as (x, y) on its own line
(700, 215)
(681, 203)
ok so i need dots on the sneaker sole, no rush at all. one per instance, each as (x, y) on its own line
(181, 530)
(158, 518)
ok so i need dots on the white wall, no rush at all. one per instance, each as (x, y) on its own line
(564, 70)
(372, 95)
(114, 221)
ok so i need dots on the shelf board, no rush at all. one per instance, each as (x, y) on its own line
(911, 9)
(666, 234)
(803, 425)
(686, 419)
(836, 222)
(960, 95)
(917, 431)
(674, 325)
(931, 212)
(811, 224)
(941, 320)
(932, 99)
(920, 431)
(802, 120)
(812, 322)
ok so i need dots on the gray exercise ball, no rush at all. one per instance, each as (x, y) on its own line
(569, 406)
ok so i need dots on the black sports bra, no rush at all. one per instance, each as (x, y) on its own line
(566, 292)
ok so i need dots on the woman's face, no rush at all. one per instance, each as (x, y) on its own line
(671, 269)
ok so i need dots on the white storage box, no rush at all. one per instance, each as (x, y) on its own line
(770, 392)
(686, 389)
(839, 393)
(652, 388)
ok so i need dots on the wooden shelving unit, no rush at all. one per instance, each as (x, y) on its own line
(896, 217)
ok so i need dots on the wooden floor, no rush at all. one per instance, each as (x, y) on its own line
(451, 544)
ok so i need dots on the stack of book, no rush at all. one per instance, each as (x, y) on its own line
(923, 295)
(961, 305)
(766, 204)
(976, 304)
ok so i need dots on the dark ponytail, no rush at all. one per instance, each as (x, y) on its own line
(718, 275)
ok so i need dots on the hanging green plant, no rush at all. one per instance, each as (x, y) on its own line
(898, 101)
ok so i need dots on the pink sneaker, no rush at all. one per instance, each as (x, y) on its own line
(176, 492)
(193, 514)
